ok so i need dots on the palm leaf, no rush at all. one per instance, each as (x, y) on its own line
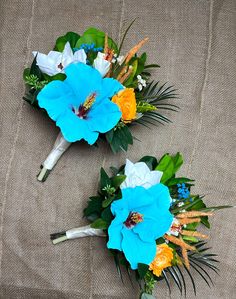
(175, 278)
(191, 278)
(212, 209)
(148, 119)
(200, 273)
(154, 93)
(124, 36)
(166, 280)
(158, 115)
(202, 269)
(183, 279)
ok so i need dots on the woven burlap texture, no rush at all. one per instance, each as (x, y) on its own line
(194, 42)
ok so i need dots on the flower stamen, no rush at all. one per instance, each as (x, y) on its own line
(133, 219)
(89, 101)
(83, 109)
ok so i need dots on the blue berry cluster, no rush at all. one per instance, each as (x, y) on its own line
(88, 48)
(183, 191)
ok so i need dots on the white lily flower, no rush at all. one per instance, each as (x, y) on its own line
(101, 64)
(138, 174)
(55, 62)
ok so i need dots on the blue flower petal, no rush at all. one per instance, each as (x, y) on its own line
(114, 230)
(110, 87)
(157, 217)
(132, 199)
(135, 250)
(54, 97)
(103, 117)
(161, 195)
(152, 229)
(73, 128)
(59, 98)
(83, 80)
(137, 197)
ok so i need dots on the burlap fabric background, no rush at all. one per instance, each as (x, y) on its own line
(194, 41)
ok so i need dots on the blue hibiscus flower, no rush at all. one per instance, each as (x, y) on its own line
(141, 216)
(80, 105)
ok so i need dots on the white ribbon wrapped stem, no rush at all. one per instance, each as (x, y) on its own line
(84, 231)
(60, 146)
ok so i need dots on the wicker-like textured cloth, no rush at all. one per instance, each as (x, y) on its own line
(195, 44)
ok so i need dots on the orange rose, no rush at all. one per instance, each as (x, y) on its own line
(125, 99)
(162, 260)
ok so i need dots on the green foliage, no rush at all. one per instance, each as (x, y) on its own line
(150, 161)
(175, 181)
(99, 224)
(59, 76)
(212, 209)
(143, 107)
(30, 96)
(26, 73)
(35, 70)
(118, 180)
(106, 215)
(201, 261)
(119, 138)
(98, 209)
(93, 35)
(141, 63)
(94, 207)
(29, 75)
(124, 36)
(34, 82)
(129, 81)
(142, 270)
(149, 283)
(107, 201)
(169, 165)
(70, 37)
(138, 64)
(158, 96)
(104, 179)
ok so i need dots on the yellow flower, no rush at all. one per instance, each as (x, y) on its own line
(125, 99)
(162, 260)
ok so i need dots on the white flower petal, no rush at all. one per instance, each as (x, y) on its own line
(101, 64)
(80, 56)
(139, 174)
(46, 64)
(50, 64)
(35, 53)
(67, 52)
(55, 56)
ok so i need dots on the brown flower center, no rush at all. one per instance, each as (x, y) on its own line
(133, 219)
(60, 66)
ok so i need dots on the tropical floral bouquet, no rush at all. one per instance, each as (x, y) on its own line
(93, 92)
(151, 221)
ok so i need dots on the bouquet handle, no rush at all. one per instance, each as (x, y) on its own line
(60, 146)
(74, 233)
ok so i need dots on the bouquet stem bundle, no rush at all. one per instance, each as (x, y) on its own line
(74, 233)
(60, 146)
